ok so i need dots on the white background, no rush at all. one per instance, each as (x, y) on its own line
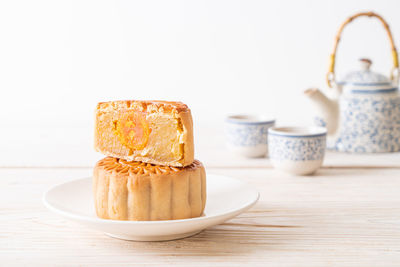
(59, 58)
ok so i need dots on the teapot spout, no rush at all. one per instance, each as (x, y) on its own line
(328, 109)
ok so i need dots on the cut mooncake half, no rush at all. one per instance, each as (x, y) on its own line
(157, 132)
(145, 192)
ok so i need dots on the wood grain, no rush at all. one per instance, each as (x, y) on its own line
(339, 217)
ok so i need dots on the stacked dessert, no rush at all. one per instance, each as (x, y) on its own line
(150, 172)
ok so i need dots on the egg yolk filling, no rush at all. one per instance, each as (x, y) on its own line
(150, 134)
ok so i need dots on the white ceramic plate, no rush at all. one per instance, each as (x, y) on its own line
(226, 198)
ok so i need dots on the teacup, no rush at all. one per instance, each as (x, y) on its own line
(297, 150)
(246, 135)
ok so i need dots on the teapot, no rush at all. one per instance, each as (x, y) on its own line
(362, 111)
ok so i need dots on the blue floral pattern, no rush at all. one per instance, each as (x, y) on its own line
(247, 134)
(296, 148)
(369, 123)
(320, 122)
(369, 116)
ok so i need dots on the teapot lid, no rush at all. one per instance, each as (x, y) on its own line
(365, 78)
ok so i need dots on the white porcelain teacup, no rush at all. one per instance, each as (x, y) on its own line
(246, 135)
(297, 150)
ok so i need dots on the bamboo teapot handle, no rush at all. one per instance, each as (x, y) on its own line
(330, 77)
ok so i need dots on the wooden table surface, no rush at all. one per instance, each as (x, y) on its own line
(348, 214)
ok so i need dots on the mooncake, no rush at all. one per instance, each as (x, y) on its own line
(145, 192)
(157, 132)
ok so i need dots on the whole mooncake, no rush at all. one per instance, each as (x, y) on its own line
(145, 192)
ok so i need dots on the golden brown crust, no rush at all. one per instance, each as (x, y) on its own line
(188, 147)
(111, 143)
(141, 168)
(145, 105)
(140, 191)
